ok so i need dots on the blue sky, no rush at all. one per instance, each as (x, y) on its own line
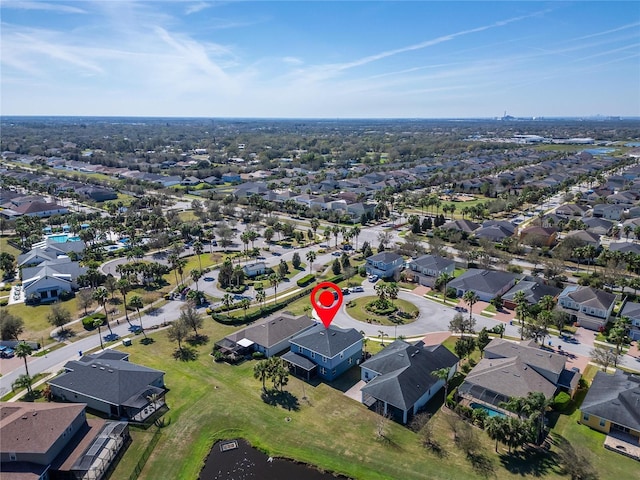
(362, 59)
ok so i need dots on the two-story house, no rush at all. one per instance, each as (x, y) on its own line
(631, 310)
(426, 269)
(325, 352)
(593, 306)
(487, 284)
(384, 264)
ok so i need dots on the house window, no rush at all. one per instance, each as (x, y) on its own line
(13, 457)
(299, 348)
(341, 355)
(323, 371)
(585, 417)
(333, 372)
(313, 354)
(602, 422)
(350, 361)
(323, 359)
(366, 375)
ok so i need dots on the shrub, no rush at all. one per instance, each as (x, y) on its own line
(4, 303)
(306, 280)
(561, 402)
(258, 355)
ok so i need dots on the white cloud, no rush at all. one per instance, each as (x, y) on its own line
(197, 7)
(52, 7)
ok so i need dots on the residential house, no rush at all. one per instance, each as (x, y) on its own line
(231, 178)
(495, 231)
(511, 369)
(108, 383)
(325, 352)
(598, 226)
(631, 310)
(571, 210)
(466, 226)
(48, 281)
(612, 406)
(538, 236)
(593, 306)
(625, 247)
(53, 441)
(270, 336)
(399, 379)
(254, 269)
(426, 269)
(533, 291)
(609, 212)
(585, 238)
(191, 181)
(487, 284)
(384, 264)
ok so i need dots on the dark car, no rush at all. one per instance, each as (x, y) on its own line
(346, 291)
(277, 254)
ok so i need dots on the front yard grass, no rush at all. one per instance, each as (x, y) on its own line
(357, 310)
(36, 326)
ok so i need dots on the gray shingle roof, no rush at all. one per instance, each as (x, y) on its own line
(482, 280)
(533, 291)
(273, 330)
(631, 310)
(432, 262)
(384, 257)
(593, 297)
(510, 377)
(529, 352)
(113, 381)
(405, 372)
(327, 342)
(615, 398)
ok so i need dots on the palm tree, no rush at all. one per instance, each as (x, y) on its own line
(198, 248)
(124, 285)
(23, 350)
(274, 278)
(227, 300)
(443, 374)
(245, 303)
(470, 298)
(311, 256)
(520, 299)
(101, 295)
(496, 428)
(261, 371)
(195, 276)
(381, 334)
(443, 279)
(97, 323)
(261, 296)
(138, 303)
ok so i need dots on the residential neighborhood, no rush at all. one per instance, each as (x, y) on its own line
(489, 314)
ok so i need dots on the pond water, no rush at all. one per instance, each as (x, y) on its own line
(245, 462)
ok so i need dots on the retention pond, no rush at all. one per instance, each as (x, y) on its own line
(237, 460)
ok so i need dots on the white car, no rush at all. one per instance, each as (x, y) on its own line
(357, 289)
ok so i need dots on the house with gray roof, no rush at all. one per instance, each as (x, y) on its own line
(325, 352)
(598, 226)
(631, 310)
(466, 226)
(54, 441)
(534, 291)
(426, 269)
(584, 237)
(589, 306)
(110, 385)
(625, 247)
(496, 380)
(607, 211)
(399, 379)
(270, 336)
(510, 369)
(487, 284)
(384, 264)
(612, 406)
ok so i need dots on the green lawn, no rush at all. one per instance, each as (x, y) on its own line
(36, 326)
(5, 247)
(210, 401)
(357, 310)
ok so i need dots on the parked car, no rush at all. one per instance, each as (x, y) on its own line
(7, 352)
(346, 291)
(357, 289)
(336, 254)
(373, 278)
(277, 254)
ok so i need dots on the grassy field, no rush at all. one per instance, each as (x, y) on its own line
(36, 326)
(5, 247)
(210, 401)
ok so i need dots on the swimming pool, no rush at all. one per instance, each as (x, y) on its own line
(490, 411)
(63, 238)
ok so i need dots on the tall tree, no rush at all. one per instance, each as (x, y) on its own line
(310, 256)
(23, 350)
(137, 303)
(177, 332)
(471, 298)
(192, 319)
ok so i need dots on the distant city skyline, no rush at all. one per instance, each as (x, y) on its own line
(360, 59)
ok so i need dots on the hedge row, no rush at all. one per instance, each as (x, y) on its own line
(87, 322)
(306, 280)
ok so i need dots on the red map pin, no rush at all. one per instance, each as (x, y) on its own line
(326, 303)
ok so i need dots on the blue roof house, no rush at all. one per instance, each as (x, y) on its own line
(384, 264)
(325, 352)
